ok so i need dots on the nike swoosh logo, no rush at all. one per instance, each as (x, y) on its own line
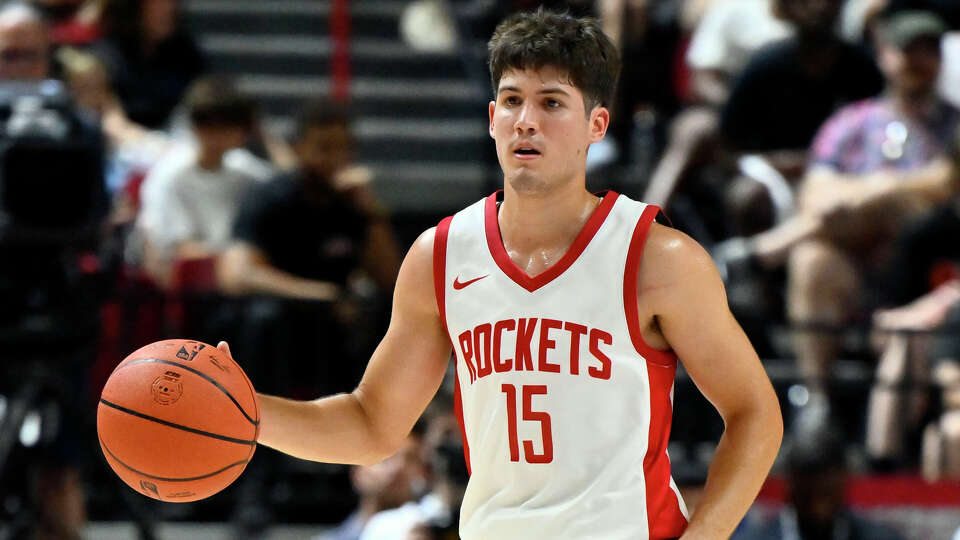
(458, 285)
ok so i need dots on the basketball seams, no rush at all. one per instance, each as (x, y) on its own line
(175, 425)
(204, 376)
(256, 410)
(256, 406)
(161, 478)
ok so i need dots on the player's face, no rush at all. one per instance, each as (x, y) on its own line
(542, 130)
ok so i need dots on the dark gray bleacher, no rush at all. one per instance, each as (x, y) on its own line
(420, 125)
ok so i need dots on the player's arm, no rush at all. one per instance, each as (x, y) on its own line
(680, 283)
(370, 423)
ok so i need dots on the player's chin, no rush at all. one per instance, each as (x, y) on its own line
(526, 181)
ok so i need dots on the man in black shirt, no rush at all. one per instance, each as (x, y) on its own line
(790, 87)
(302, 240)
(302, 243)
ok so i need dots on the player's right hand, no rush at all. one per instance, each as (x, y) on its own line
(225, 349)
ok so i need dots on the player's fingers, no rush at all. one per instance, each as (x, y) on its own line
(225, 348)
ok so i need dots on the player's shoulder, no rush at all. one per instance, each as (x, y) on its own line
(671, 244)
(417, 283)
(669, 255)
(424, 244)
(419, 257)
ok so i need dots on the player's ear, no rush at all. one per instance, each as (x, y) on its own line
(491, 107)
(599, 121)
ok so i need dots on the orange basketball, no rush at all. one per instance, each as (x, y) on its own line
(178, 420)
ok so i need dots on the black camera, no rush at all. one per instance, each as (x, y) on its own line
(53, 203)
(52, 189)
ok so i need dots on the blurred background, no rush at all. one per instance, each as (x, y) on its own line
(253, 170)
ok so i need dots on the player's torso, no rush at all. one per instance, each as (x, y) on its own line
(556, 400)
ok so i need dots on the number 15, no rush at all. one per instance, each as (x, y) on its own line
(529, 415)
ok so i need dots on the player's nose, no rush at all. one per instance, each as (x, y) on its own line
(527, 121)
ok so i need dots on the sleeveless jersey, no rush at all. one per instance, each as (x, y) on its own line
(565, 411)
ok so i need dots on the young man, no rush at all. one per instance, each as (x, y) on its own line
(566, 339)
(191, 197)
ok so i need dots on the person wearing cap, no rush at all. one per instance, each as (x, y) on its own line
(875, 164)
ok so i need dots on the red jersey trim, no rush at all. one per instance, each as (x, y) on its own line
(440, 267)
(665, 519)
(458, 409)
(439, 288)
(632, 310)
(531, 284)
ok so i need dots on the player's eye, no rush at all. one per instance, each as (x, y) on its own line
(511, 100)
(553, 104)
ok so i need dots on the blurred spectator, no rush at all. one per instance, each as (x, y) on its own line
(855, 141)
(722, 44)
(649, 35)
(436, 514)
(24, 45)
(72, 22)
(860, 15)
(875, 165)
(382, 487)
(304, 234)
(815, 507)
(317, 234)
(132, 150)
(192, 196)
(788, 89)
(724, 41)
(900, 402)
(150, 58)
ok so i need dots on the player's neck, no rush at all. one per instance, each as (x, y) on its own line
(532, 223)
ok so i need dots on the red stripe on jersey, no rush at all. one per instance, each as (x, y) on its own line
(664, 517)
(439, 287)
(440, 267)
(632, 271)
(458, 409)
(499, 253)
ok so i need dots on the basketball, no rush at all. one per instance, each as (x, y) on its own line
(178, 420)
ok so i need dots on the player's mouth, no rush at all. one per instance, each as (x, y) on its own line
(525, 152)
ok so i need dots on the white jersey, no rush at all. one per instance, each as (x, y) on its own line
(565, 410)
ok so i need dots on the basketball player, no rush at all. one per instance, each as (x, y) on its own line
(567, 313)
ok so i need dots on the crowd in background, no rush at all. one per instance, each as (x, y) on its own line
(813, 146)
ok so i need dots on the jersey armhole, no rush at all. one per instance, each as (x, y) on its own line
(632, 311)
(440, 267)
(439, 288)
